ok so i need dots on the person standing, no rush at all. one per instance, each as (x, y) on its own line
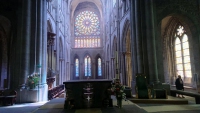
(179, 85)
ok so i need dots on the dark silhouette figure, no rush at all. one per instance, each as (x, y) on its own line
(179, 85)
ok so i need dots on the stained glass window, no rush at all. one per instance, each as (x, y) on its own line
(182, 53)
(76, 67)
(87, 30)
(99, 67)
(87, 66)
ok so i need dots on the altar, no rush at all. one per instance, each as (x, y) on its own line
(93, 93)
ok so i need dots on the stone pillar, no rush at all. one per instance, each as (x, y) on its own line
(103, 70)
(151, 45)
(117, 66)
(67, 71)
(133, 47)
(93, 69)
(39, 19)
(60, 72)
(139, 36)
(112, 68)
(124, 68)
(72, 71)
(108, 71)
(25, 42)
(44, 87)
(57, 43)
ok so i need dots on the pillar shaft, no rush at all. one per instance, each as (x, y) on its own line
(139, 37)
(25, 41)
(151, 45)
(39, 34)
(44, 42)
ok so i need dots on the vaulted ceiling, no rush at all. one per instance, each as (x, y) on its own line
(74, 4)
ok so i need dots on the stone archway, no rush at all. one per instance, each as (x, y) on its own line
(169, 27)
(126, 56)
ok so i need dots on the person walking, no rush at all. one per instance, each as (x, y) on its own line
(179, 84)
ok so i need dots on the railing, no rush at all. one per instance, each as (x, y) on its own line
(55, 92)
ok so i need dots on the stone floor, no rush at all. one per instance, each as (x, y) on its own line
(57, 106)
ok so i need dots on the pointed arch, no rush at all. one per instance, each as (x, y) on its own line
(98, 60)
(126, 65)
(176, 62)
(76, 66)
(87, 65)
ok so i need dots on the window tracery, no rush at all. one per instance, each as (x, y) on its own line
(87, 30)
(182, 53)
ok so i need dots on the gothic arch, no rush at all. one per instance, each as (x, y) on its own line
(97, 64)
(74, 4)
(74, 67)
(126, 27)
(169, 26)
(86, 30)
(126, 54)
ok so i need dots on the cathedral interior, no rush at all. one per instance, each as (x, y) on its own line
(54, 41)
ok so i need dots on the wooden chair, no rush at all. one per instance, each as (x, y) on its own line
(142, 90)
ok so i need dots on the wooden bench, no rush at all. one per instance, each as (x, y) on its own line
(195, 95)
(8, 97)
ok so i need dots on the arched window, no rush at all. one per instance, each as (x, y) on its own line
(87, 66)
(182, 53)
(99, 67)
(76, 67)
(87, 30)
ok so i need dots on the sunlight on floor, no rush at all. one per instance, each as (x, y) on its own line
(25, 104)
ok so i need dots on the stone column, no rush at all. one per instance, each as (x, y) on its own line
(108, 71)
(67, 71)
(112, 68)
(93, 70)
(139, 36)
(133, 47)
(39, 25)
(25, 42)
(103, 70)
(43, 91)
(151, 45)
(124, 68)
(60, 72)
(72, 71)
